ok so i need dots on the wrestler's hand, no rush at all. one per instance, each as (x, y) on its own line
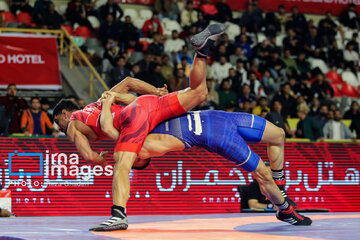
(109, 97)
(103, 156)
(162, 91)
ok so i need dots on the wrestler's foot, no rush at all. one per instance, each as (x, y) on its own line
(289, 215)
(203, 41)
(118, 221)
(283, 192)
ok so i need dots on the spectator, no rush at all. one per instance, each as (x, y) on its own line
(52, 19)
(336, 129)
(240, 70)
(179, 82)
(353, 112)
(328, 29)
(220, 70)
(147, 63)
(209, 10)
(350, 18)
(245, 46)
(246, 107)
(255, 86)
(335, 56)
(34, 121)
(167, 69)
(297, 21)
(252, 19)
(287, 101)
(354, 42)
(226, 95)
(235, 81)
(262, 51)
(175, 44)
(14, 106)
(276, 66)
(262, 106)
(247, 96)
(112, 51)
(110, 7)
(313, 42)
(40, 8)
(224, 12)
(184, 53)
(184, 64)
(20, 6)
(201, 23)
(188, 16)
(129, 31)
(152, 26)
(315, 107)
(120, 71)
(272, 26)
(282, 17)
(163, 7)
(351, 57)
(238, 55)
(229, 46)
(321, 89)
(212, 99)
(292, 69)
(221, 50)
(109, 29)
(270, 85)
(76, 13)
(293, 42)
(157, 78)
(156, 47)
(322, 115)
(81, 103)
(45, 106)
(276, 118)
(308, 127)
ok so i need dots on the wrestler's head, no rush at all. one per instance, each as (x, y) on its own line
(62, 113)
(141, 164)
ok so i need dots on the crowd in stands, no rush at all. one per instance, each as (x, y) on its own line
(298, 76)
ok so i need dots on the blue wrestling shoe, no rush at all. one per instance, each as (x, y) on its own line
(203, 41)
(118, 221)
(289, 215)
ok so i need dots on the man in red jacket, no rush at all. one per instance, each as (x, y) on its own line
(152, 25)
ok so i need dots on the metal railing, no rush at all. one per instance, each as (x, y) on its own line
(68, 47)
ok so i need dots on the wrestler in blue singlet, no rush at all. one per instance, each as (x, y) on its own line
(219, 132)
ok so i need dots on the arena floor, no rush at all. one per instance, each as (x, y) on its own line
(215, 226)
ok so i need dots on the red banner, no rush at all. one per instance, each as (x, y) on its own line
(48, 177)
(29, 61)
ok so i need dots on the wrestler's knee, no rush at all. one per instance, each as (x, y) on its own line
(262, 174)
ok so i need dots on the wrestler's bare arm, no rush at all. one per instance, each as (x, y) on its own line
(106, 118)
(83, 146)
(130, 84)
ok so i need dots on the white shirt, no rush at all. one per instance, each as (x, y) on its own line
(172, 45)
(336, 130)
(351, 56)
(220, 72)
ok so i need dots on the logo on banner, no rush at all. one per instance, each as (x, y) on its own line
(21, 59)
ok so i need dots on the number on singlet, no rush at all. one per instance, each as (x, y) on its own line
(197, 120)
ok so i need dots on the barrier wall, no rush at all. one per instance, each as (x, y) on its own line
(319, 175)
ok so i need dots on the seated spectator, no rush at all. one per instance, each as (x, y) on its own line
(152, 26)
(322, 116)
(255, 86)
(188, 15)
(247, 96)
(76, 13)
(147, 63)
(110, 7)
(221, 50)
(81, 103)
(14, 106)
(179, 82)
(292, 69)
(224, 12)
(167, 69)
(297, 21)
(353, 112)
(128, 31)
(293, 42)
(34, 121)
(261, 106)
(201, 23)
(40, 8)
(328, 29)
(245, 46)
(241, 71)
(109, 29)
(156, 47)
(321, 89)
(282, 17)
(184, 53)
(287, 101)
(351, 57)
(276, 118)
(112, 51)
(303, 66)
(163, 7)
(276, 66)
(251, 19)
(229, 46)
(52, 19)
(157, 78)
(350, 18)
(315, 107)
(272, 26)
(235, 81)
(308, 127)
(209, 10)
(220, 70)
(262, 51)
(20, 6)
(269, 83)
(212, 98)
(336, 129)
(312, 42)
(119, 72)
(238, 55)
(174, 44)
(335, 56)
(184, 64)
(226, 95)
(354, 41)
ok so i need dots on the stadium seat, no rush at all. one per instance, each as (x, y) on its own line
(132, 13)
(94, 22)
(145, 44)
(350, 78)
(350, 91)
(8, 17)
(316, 62)
(232, 31)
(138, 23)
(145, 14)
(173, 25)
(24, 18)
(68, 29)
(61, 9)
(4, 6)
(337, 92)
(334, 77)
(83, 31)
